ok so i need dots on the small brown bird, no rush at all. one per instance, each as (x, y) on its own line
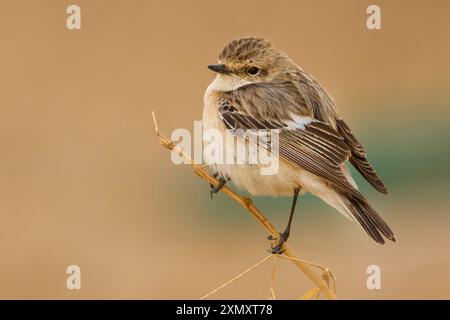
(259, 87)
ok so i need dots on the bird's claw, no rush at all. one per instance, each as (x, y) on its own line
(216, 188)
(278, 248)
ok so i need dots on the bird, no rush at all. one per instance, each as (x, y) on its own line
(259, 87)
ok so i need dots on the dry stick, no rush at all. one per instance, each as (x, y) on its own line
(237, 277)
(272, 280)
(248, 204)
(326, 276)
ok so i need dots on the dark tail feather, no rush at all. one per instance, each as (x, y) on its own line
(368, 218)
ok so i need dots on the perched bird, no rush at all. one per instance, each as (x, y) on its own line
(259, 87)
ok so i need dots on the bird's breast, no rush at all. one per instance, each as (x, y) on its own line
(211, 119)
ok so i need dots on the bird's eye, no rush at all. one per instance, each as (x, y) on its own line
(253, 70)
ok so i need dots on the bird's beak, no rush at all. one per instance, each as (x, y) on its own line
(219, 68)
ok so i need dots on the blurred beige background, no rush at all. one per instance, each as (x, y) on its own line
(83, 180)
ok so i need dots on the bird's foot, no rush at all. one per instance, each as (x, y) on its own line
(216, 188)
(278, 248)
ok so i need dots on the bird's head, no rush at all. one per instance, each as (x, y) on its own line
(249, 60)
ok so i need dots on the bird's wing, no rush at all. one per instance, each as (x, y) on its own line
(317, 100)
(358, 157)
(311, 145)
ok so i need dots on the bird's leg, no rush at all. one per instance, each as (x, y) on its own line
(220, 184)
(211, 186)
(278, 249)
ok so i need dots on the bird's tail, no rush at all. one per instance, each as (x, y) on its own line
(367, 217)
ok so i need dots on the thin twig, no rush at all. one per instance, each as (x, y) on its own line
(237, 277)
(251, 208)
(272, 279)
(326, 275)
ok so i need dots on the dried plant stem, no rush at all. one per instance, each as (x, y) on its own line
(247, 203)
(272, 295)
(237, 277)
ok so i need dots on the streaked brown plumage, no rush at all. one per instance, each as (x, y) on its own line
(259, 87)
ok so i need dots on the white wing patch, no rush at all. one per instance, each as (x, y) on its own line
(298, 122)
